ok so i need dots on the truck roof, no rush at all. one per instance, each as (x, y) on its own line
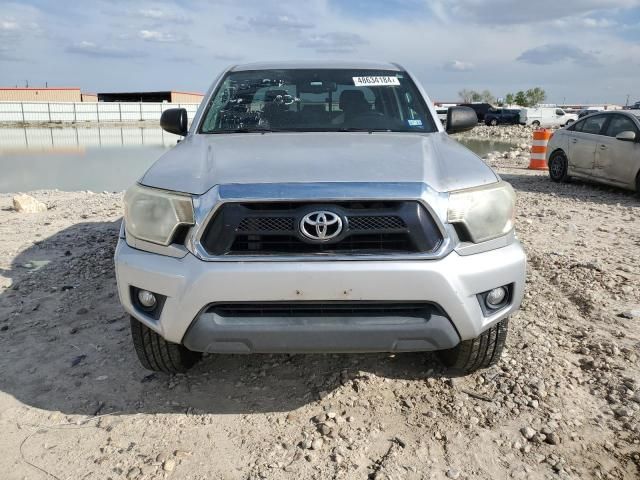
(318, 64)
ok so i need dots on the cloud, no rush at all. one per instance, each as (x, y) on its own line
(155, 13)
(458, 66)
(156, 36)
(162, 15)
(269, 23)
(500, 12)
(9, 26)
(554, 53)
(333, 42)
(379, 8)
(597, 22)
(91, 49)
(584, 22)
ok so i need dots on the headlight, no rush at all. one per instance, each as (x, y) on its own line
(154, 215)
(485, 212)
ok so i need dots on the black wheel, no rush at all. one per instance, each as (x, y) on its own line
(638, 185)
(155, 353)
(558, 167)
(494, 122)
(535, 123)
(480, 352)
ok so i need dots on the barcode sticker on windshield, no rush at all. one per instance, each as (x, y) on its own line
(375, 81)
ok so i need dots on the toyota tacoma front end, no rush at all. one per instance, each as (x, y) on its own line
(318, 208)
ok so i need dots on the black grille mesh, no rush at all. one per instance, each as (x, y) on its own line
(375, 223)
(282, 244)
(266, 224)
(285, 224)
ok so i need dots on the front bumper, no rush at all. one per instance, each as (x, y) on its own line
(190, 285)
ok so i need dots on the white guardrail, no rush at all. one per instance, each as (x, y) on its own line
(88, 111)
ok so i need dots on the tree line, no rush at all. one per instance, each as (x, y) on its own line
(524, 98)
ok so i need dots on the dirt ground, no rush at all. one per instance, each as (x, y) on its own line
(563, 403)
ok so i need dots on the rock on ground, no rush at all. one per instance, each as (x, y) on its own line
(27, 204)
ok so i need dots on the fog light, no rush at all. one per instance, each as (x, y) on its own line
(496, 296)
(146, 299)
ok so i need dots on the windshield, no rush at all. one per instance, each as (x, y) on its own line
(316, 100)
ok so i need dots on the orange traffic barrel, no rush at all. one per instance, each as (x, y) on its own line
(538, 159)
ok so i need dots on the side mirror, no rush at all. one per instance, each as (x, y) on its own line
(175, 120)
(627, 136)
(461, 119)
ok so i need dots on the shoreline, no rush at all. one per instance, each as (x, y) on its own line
(87, 124)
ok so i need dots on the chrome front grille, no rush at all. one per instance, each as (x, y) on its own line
(273, 228)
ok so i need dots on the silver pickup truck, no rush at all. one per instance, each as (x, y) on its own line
(319, 207)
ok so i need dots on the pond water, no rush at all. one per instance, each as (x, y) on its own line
(482, 147)
(98, 158)
(83, 158)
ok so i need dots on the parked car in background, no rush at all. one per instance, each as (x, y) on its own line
(481, 109)
(546, 117)
(588, 111)
(322, 208)
(499, 116)
(604, 147)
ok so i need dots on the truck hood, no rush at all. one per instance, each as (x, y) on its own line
(200, 161)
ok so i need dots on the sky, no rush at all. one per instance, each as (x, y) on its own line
(579, 51)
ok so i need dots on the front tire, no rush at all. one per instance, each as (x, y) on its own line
(481, 352)
(535, 124)
(156, 354)
(558, 167)
(494, 122)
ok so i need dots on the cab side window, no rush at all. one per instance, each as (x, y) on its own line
(593, 125)
(619, 124)
(577, 126)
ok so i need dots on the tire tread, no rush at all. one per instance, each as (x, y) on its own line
(481, 352)
(157, 354)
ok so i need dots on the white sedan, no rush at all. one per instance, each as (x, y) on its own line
(603, 147)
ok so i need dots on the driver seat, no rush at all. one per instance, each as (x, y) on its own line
(352, 103)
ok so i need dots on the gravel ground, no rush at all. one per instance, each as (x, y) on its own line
(516, 134)
(563, 403)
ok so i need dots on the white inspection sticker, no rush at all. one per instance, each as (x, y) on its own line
(375, 81)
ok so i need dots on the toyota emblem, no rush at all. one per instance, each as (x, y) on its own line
(321, 225)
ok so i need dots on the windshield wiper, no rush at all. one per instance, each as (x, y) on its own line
(370, 130)
(270, 130)
(245, 130)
